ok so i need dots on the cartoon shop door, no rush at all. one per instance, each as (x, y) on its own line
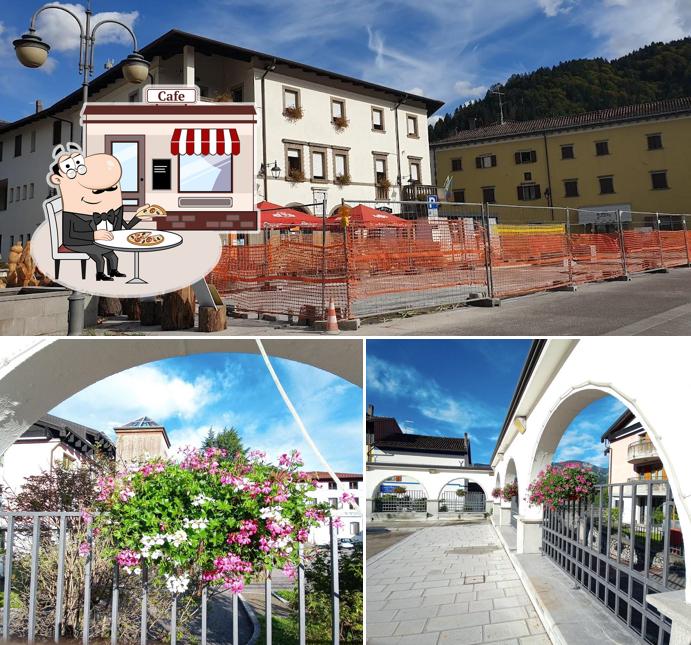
(129, 151)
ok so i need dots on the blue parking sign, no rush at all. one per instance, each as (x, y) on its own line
(432, 202)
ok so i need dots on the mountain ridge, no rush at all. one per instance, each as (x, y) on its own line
(651, 73)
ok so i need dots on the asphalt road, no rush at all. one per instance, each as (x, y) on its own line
(650, 304)
(655, 304)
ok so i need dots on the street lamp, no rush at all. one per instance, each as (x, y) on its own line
(275, 170)
(33, 52)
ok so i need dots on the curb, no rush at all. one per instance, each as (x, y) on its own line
(253, 619)
(552, 629)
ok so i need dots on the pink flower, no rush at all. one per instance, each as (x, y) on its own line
(337, 522)
(236, 585)
(86, 516)
(347, 498)
(290, 571)
(128, 558)
(84, 549)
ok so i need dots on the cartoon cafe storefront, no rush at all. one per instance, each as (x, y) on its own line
(193, 159)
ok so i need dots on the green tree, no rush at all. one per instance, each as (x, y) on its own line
(228, 439)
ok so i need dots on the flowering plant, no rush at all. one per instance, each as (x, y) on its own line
(496, 492)
(208, 519)
(555, 485)
(509, 491)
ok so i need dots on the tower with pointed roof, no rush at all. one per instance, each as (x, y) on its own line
(140, 439)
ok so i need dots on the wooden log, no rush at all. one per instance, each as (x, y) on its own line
(109, 306)
(212, 319)
(131, 308)
(150, 312)
(178, 310)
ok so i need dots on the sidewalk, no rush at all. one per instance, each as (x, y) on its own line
(449, 584)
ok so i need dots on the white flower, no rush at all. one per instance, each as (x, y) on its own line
(194, 524)
(200, 499)
(268, 513)
(177, 584)
(157, 554)
(177, 538)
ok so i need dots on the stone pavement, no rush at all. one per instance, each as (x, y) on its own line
(449, 584)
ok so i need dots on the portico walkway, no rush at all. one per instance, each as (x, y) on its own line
(449, 584)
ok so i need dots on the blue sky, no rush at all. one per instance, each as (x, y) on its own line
(190, 394)
(447, 49)
(449, 387)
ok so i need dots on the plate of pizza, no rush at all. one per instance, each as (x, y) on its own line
(145, 238)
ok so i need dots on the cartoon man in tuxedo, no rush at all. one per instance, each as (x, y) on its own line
(91, 204)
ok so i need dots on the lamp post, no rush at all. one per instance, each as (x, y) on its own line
(275, 170)
(32, 52)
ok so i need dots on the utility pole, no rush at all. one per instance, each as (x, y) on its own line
(496, 90)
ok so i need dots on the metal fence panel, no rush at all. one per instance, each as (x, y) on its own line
(24, 537)
(412, 501)
(621, 545)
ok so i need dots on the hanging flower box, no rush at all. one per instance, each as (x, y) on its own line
(556, 485)
(496, 493)
(295, 176)
(342, 180)
(509, 491)
(340, 123)
(293, 113)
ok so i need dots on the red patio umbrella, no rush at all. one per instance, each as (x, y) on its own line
(366, 217)
(274, 216)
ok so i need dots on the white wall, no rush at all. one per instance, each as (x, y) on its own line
(572, 374)
(349, 516)
(388, 457)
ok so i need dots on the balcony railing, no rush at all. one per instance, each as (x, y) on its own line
(27, 536)
(642, 451)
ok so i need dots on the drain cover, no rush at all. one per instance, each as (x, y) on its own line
(473, 550)
(469, 580)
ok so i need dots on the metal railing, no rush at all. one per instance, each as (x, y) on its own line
(25, 533)
(471, 502)
(621, 545)
(413, 501)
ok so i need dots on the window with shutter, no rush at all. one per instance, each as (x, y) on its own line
(456, 165)
(317, 165)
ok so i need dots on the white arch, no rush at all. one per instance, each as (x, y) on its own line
(36, 375)
(483, 482)
(415, 479)
(568, 376)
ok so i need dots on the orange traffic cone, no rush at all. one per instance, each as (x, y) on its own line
(331, 320)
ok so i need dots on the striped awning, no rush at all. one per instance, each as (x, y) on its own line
(205, 141)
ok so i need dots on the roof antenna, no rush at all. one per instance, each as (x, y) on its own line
(496, 90)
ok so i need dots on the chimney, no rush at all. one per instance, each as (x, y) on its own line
(39, 106)
(142, 438)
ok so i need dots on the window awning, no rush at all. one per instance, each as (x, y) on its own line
(205, 141)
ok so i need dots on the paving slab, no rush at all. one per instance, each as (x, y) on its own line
(443, 584)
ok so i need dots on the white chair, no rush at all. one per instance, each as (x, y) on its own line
(53, 211)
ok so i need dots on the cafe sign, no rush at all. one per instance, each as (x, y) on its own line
(174, 94)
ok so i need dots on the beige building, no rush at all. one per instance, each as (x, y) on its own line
(142, 438)
(631, 158)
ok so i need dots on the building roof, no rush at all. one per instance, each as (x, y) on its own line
(387, 435)
(142, 422)
(322, 475)
(79, 437)
(625, 425)
(510, 129)
(426, 443)
(172, 42)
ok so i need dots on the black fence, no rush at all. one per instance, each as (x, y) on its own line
(621, 545)
(412, 501)
(469, 502)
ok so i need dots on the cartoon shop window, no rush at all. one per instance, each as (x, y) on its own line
(205, 159)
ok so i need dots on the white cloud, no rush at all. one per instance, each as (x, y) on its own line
(428, 397)
(140, 391)
(61, 32)
(555, 7)
(465, 89)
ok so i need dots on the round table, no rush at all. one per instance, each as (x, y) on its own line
(120, 243)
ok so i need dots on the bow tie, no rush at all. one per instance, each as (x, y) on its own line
(110, 216)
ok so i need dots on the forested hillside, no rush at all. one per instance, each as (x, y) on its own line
(658, 71)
